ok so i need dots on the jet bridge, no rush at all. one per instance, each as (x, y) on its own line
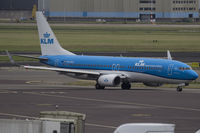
(69, 122)
(49, 122)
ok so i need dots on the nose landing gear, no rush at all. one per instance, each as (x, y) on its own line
(180, 87)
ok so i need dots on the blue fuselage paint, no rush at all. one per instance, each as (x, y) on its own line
(164, 68)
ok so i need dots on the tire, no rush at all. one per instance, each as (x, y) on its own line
(179, 89)
(126, 86)
(99, 87)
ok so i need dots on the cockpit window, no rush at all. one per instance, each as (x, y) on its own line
(185, 68)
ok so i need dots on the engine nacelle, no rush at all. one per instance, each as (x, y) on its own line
(152, 84)
(109, 80)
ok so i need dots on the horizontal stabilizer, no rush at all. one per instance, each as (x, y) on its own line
(33, 57)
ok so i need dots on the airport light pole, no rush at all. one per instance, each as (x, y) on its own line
(43, 7)
(64, 10)
(42, 4)
(151, 10)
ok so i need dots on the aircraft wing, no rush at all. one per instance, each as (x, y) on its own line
(78, 71)
(63, 70)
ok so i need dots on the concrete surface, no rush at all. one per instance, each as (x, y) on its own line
(24, 93)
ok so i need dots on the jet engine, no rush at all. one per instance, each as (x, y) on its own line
(109, 80)
(152, 84)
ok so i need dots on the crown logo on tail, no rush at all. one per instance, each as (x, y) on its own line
(46, 35)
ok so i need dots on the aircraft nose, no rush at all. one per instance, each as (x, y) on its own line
(194, 75)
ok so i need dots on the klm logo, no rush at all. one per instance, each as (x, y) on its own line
(141, 63)
(46, 39)
(106, 80)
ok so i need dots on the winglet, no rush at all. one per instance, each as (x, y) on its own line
(10, 57)
(169, 57)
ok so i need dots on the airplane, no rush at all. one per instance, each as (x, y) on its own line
(109, 71)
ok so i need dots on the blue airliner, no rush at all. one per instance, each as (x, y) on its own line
(109, 71)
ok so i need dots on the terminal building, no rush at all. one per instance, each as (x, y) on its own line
(135, 9)
(103, 9)
(16, 9)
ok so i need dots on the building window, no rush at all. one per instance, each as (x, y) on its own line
(184, 1)
(147, 9)
(147, 1)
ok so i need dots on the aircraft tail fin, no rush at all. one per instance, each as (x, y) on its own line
(48, 42)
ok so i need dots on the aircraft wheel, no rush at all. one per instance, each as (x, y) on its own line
(179, 89)
(99, 87)
(126, 86)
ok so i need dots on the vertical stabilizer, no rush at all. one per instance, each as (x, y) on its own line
(48, 42)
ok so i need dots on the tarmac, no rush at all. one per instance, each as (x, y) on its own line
(24, 93)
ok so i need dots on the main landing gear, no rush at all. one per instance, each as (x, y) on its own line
(99, 87)
(126, 86)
